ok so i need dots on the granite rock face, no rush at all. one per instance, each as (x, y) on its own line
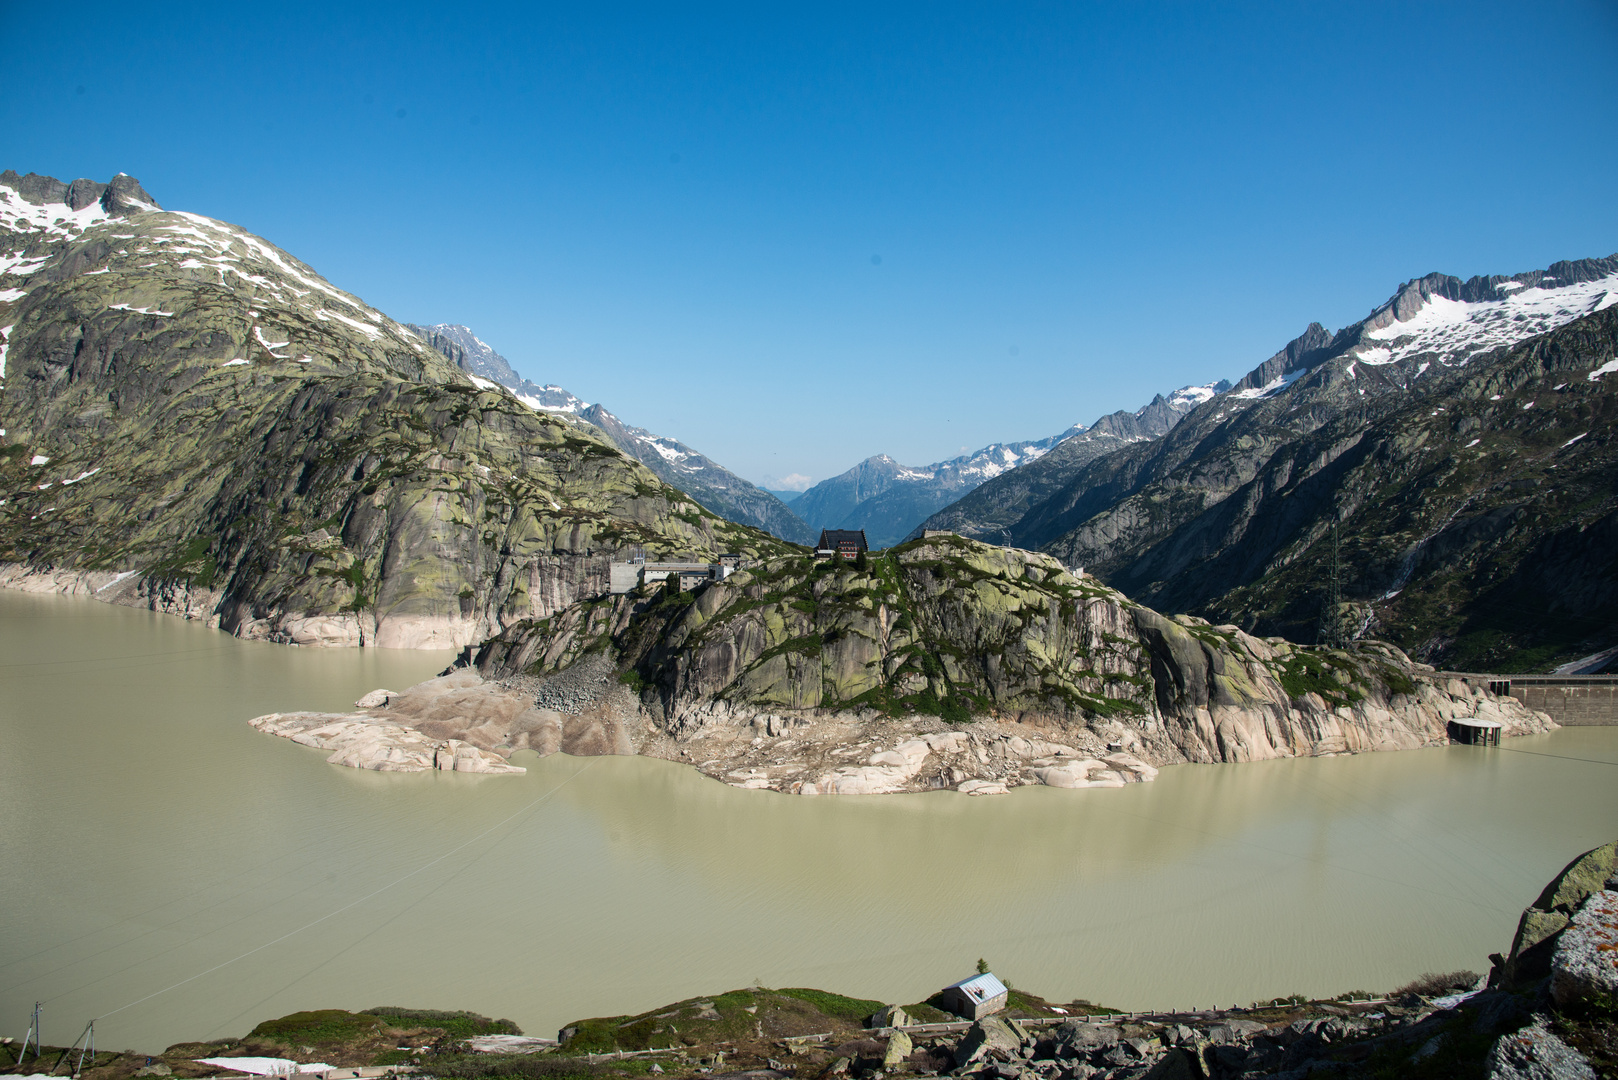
(366, 742)
(455, 722)
(990, 1034)
(1542, 923)
(1585, 965)
(1536, 1053)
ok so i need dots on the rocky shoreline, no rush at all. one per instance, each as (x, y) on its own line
(1181, 689)
(462, 722)
(1545, 1011)
(340, 629)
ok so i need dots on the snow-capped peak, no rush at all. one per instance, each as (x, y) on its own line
(1187, 398)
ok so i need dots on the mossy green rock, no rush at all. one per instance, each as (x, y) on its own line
(1583, 876)
(953, 628)
(1543, 922)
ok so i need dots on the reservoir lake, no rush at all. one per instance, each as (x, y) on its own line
(181, 876)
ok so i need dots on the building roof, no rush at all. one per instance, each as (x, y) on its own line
(833, 538)
(979, 988)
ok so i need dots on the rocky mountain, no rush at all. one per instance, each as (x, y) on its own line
(887, 499)
(194, 420)
(771, 676)
(705, 480)
(890, 501)
(1023, 481)
(1435, 434)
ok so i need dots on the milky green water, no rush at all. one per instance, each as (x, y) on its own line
(169, 869)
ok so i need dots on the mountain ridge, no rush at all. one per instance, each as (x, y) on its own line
(1209, 518)
(711, 484)
(1075, 446)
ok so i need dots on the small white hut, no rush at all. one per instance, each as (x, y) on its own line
(976, 997)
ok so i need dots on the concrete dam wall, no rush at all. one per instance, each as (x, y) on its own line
(1571, 700)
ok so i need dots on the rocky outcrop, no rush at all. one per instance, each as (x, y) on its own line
(947, 663)
(456, 721)
(369, 742)
(1536, 1053)
(1540, 928)
(987, 1036)
(1584, 967)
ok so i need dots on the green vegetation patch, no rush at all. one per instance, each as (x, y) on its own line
(318, 1026)
(1306, 672)
(833, 1004)
(455, 1024)
(193, 562)
(728, 1017)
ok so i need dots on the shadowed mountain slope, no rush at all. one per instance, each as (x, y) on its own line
(1385, 427)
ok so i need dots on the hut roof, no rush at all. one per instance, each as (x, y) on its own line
(832, 538)
(979, 987)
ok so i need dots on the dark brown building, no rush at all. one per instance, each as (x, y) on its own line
(845, 542)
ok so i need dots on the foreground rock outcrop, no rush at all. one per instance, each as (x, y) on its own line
(456, 722)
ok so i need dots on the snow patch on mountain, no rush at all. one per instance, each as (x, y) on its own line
(1457, 330)
(553, 399)
(56, 220)
(669, 450)
(1189, 397)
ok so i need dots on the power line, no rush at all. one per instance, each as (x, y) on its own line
(1564, 757)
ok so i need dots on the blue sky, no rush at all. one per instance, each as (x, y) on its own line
(798, 235)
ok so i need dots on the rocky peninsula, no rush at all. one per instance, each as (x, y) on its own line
(942, 664)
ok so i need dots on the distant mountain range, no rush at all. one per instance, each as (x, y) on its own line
(886, 499)
(890, 501)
